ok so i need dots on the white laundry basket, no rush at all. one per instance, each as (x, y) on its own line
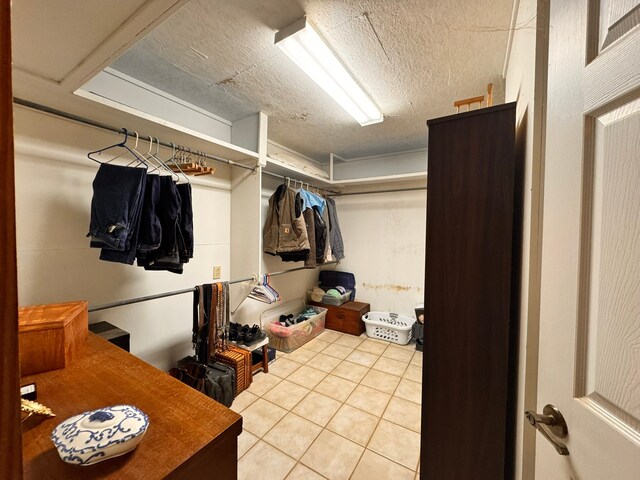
(391, 327)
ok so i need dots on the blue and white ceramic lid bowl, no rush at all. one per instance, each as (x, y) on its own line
(98, 435)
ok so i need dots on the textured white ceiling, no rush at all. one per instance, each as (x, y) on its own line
(413, 57)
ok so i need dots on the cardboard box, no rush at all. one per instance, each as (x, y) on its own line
(51, 335)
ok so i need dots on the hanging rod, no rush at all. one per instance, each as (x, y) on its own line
(146, 298)
(104, 126)
(342, 194)
(277, 175)
(333, 193)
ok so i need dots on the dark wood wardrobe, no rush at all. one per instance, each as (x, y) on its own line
(471, 297)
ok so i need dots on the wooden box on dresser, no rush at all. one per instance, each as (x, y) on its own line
(471, 296)
(346, 318)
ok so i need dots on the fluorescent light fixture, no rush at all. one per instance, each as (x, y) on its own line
(302, 44)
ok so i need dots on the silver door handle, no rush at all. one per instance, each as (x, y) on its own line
(551, 422)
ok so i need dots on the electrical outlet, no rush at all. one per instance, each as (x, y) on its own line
(217, 272)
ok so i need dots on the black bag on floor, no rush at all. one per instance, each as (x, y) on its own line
(215, 380)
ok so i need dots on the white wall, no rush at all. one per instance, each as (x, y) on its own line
(526, 84)
(384, 237)
(55, 263)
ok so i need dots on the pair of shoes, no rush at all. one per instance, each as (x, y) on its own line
(286, 320)
(234, 329)
(242, 334)
(255, 334)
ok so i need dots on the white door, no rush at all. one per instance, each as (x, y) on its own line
(590, 300)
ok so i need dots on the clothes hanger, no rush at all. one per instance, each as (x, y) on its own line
(161, 163)
(264, 292)
(139, 156)
(122, 144)
(202, 164)
(177, 168)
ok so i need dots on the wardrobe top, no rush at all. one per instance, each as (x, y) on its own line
(479, 111)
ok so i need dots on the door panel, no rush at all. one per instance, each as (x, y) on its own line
(612, 227)
(617, 17)
(590, 295)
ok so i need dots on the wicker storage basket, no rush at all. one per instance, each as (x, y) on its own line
(287, 339)
(240, 361)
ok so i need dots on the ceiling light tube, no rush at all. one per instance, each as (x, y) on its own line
(302, 44)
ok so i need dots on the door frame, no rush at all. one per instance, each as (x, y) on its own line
(11, 432)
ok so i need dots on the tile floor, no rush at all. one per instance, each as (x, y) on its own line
(340, 407)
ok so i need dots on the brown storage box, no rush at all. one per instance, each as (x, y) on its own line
(346, 318)
(51, 335)
(240, 360)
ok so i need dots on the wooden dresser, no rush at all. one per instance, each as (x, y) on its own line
(190, 436)
(346, 318)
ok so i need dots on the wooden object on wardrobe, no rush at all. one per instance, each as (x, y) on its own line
(10, 446)
(51, 335)
(470, 296)
(189, 436)
(346, 318)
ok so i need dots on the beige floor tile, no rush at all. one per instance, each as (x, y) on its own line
(262, 383)
(404, 413)
(246, 440)
(409, 390)
(413, 373)
(390, 366)
(283, 367)
(307, 376)
(242, 401)
(396, 443)
(373, 346)
(337, 351)
(332, 456)
(354, 424)
(324, 362)
(300, 472)
(373, 466)
(261, 416)
(301, 355)
(349, 341)
(409, 346)
(293, 435)
(369, 400)
(264, 461)
(382, 381)
(398, 353)
(317, 408)
(286, 394)
(316, 345)
(365, 359)
(335, 387)
(350, 371)
(329, 336)
(417, 359)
